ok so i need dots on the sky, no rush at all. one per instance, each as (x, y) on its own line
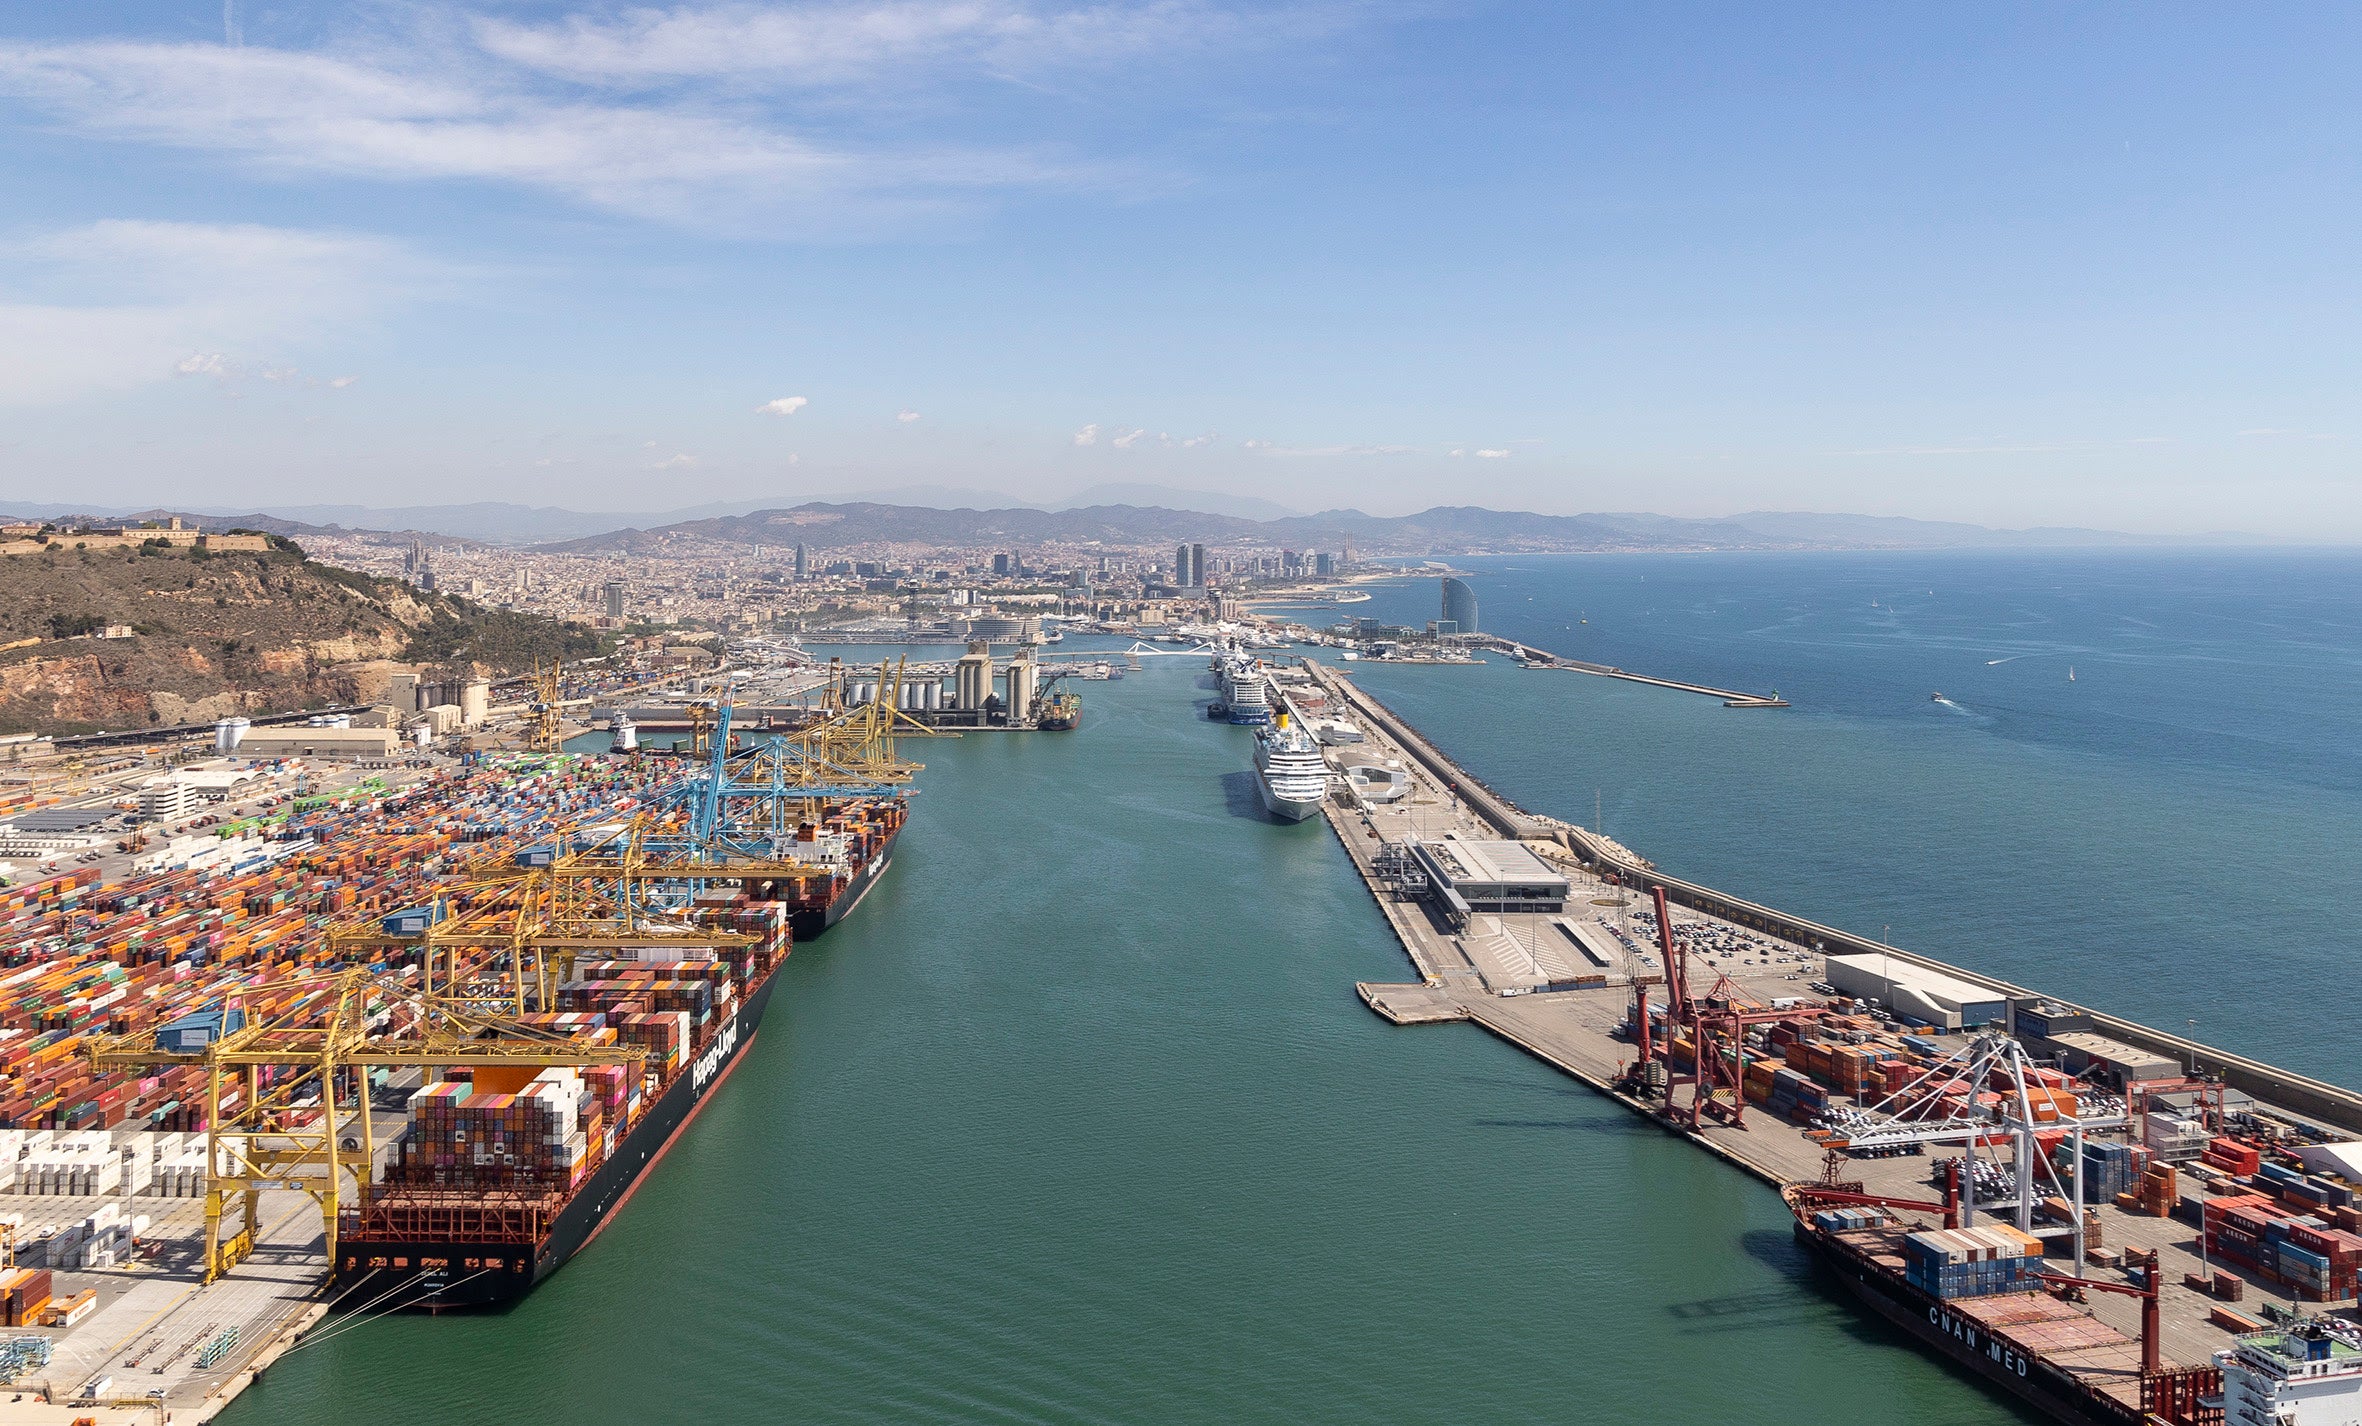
(2071, 264)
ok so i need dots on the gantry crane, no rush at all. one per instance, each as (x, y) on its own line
(521, 930)
(310, 1127)
(548, 697)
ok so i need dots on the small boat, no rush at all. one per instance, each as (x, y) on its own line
(1937, 698)
(2070, 673)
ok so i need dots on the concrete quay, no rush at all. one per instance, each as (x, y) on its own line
(135, 1358)
(1501, 972)
(1544, 659)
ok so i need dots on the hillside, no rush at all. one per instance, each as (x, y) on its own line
(1443, 530)
(219, 634)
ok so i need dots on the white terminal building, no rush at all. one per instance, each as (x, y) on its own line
(1490, 876)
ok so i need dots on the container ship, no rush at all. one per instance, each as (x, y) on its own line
(495, 1182)
(1977, 1297)
(498, 1179)
(854, 844)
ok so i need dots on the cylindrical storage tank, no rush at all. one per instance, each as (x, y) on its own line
(934, 692)
(865, 692)
(228, 733)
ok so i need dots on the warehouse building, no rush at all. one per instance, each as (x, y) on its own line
(305, 742)
(1917, 993)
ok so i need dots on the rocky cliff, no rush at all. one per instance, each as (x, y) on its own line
(131, 638)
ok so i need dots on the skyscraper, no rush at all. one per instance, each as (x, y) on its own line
(612, 594)
(1000, 564)
(1459, 606)
(803, 562)
(1189, 566)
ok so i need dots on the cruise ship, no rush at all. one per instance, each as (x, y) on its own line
(1290, 772)
(1246, 692)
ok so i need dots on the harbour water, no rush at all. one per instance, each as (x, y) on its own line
(1078, 1119)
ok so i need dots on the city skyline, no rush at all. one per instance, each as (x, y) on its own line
(2013, 269)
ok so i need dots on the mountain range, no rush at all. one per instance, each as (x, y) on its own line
(1119, 514)
(1456, 529)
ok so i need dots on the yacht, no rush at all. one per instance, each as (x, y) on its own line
(1290, 772)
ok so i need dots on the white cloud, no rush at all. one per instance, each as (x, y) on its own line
(1088, 435)
(906, 417)
(675, 462)
(1256, 444)
(1459, 453)
(784, 406)
(1494, 454)
(423, 106)
(1188, 442)
(118, 304)
(339, 383)
(869, 42)
(1128, 439)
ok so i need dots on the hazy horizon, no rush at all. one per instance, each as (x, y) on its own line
(2012, 269)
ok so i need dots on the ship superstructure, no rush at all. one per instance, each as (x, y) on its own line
(1245, 687)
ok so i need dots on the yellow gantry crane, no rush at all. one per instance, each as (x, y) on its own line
(309, 1126)
(548, 696)
(510, 935)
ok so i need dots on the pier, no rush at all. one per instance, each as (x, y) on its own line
(1557, 984)
(1532, 657)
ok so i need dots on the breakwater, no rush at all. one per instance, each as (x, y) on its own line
(2329, 1103)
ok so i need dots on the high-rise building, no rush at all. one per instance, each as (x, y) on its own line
(612, 598)
(1000, 565)
(1459, 606)
(1324, 565)
(1189, 566)
(803, 561)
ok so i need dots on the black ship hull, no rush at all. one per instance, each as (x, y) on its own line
(807, 922)
(460, 1269)
(1965, 1342)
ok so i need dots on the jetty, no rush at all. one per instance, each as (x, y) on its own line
(1531, 657)
(1558, 983)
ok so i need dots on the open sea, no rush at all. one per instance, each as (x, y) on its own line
(1078, 1120)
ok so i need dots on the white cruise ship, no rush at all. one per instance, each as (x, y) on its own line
(1290, 772)
(1246, 689)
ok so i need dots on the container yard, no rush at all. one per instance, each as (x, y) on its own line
(2039, 1194)
(402, 1041)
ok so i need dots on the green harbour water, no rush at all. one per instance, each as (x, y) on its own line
(1079, 1120)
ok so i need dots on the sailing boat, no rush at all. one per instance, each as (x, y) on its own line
(2070, 673)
